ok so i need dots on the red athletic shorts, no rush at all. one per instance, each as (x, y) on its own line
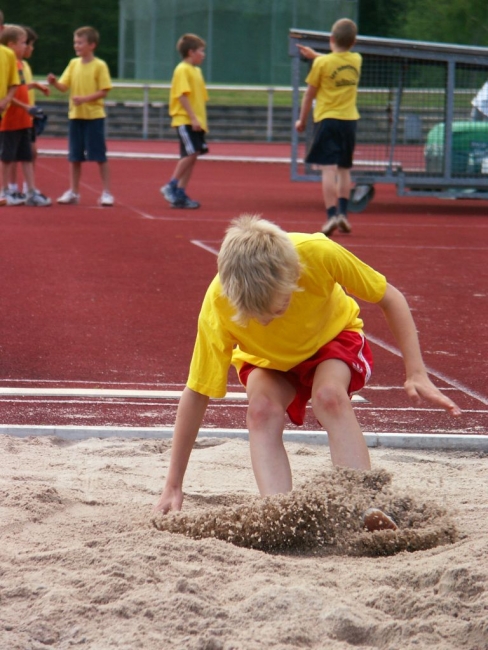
(350, 347)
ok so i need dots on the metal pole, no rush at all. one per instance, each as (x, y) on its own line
(145, 113)
(122, 19)
(269, 128)
(449, 106)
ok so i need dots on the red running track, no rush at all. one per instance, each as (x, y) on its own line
(108, 298)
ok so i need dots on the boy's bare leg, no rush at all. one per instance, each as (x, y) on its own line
(329, 185)
(184, 169)
(75, 176)
(28, 170)
(343, 183)
(105, 175)
(269, 396)
(333, 409)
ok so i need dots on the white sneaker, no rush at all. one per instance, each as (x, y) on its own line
(69, 198)
(106, 200)
(329, 226)
(343, 223)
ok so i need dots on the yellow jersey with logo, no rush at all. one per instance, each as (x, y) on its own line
(336, 77)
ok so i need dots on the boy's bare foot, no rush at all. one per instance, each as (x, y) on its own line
(376, 519)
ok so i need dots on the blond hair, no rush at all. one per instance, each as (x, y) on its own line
(11, 34)
(257, 261)
(344, 32)
(90, 33)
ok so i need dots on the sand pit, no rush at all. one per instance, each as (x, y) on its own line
(82, 563)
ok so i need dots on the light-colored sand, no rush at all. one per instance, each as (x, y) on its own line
(82, 565)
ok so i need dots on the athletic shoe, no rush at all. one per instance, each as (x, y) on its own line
(329, 226)
(106, 200)
(185, 203)
(69, 198)
(375, 519)
(14, 198)
(38, 200)
(343, 223)
(169, 192)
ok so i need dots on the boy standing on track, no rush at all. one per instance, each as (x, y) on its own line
(39, 118)
(333, 84)
(88, 79)
(16, 127)
(187, 108)
(9, 80)
(278, 312)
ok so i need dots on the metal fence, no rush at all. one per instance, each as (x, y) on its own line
(415, 129)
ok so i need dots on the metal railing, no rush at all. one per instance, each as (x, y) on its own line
(146, 88)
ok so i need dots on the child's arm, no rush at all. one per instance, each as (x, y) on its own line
(5, 101)
(185, 102)
(191, 409)
(401, 323)
(35, 85)
(99, 94)
(53, 81)
(307, 100)
(307, 52)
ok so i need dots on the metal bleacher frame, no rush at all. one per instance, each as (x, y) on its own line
(422, 182)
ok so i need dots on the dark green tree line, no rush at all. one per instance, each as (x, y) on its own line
(448, 21)
(55, 21)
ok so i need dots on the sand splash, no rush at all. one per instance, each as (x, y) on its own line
(322, 515)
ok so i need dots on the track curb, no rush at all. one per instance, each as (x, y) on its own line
(420, 441)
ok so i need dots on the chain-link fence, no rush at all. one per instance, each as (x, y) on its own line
(416, 129)
(246, 39)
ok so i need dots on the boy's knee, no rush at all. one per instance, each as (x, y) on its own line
(262, 409)
(331, 398)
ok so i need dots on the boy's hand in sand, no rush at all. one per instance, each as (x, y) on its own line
(419, 386)
(171, 499)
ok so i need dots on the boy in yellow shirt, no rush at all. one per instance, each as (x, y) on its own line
(187, 108)
(88, 79)
(333, 84)
(279, 312)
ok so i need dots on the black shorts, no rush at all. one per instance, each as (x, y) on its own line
(191, 142)
(15, 146)
(333, 143)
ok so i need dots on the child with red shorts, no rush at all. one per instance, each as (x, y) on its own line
(279, 312)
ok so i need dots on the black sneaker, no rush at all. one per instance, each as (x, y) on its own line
(169, 192)
(184, 202)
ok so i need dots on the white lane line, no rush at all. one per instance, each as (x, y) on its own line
(435, 373)
(200, 244)
(105, 393)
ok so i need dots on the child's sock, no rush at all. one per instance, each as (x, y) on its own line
(331, 212)
(343, 203)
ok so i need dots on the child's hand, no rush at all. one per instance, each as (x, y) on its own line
(44, 89)
(171, 499)
(195, 125)
(300, 126)
(77, 100)
(420, 386)
(307, 52)
(51, 79)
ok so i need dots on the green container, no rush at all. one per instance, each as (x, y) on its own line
(469, 148)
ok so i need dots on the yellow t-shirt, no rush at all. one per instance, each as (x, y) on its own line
(315, 316)
(336, 77)
(85, 79)
(9, 75)
(28, 80)
(188, 80)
